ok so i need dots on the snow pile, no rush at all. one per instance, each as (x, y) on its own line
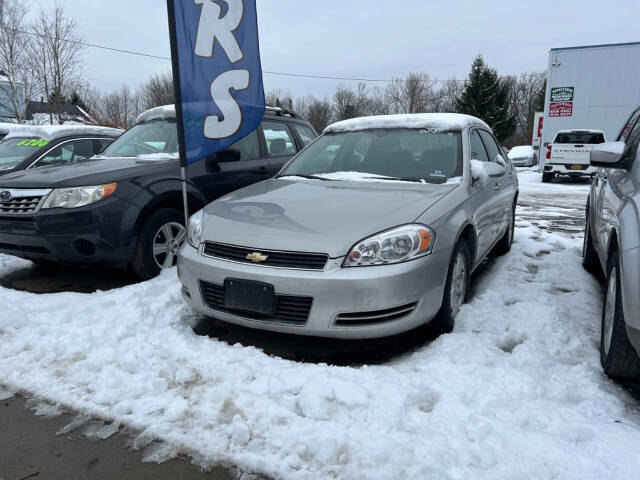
(516, 391)
(158, 156)
(158, 113)
(436, 121)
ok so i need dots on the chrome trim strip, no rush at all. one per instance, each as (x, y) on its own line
(24, 193)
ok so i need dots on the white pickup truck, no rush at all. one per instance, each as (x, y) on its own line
(569, 154)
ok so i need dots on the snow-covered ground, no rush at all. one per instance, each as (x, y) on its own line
(515, 392)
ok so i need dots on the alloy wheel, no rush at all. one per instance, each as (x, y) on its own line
(458, 284)
(609, 311)
(167, 242)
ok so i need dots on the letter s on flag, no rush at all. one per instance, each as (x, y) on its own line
(219, 72)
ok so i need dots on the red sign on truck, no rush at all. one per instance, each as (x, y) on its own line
(561, 109)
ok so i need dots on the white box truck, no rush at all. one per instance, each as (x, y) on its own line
(590, 88)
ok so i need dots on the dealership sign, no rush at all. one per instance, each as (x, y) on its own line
(562, 94)
(561, 109)
(561, 102)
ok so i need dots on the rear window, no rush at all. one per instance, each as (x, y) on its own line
(582, 138)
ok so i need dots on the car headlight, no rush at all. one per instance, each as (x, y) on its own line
(78, 196)
(393, 246)
(194, 231)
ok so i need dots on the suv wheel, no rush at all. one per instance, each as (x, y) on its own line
(618, 357)
(160, 238)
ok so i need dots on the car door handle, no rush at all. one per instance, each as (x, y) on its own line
(496, 186)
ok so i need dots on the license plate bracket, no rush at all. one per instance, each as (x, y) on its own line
(576, 167)
(250, 296)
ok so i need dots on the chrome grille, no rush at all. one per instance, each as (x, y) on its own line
(295, 260)
(21, 202)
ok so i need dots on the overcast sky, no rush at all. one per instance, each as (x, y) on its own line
(375, 39)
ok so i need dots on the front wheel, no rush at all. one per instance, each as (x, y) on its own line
(618, 357)
(504, 244)
(590, 260)
(456, 289)
(159, 240)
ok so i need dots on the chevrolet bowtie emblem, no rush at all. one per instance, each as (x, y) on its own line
(257, 257)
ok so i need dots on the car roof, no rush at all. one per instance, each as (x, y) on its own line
(53, 132)
(439, 121)
(169, 112)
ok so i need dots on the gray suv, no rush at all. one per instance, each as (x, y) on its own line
(612, 245)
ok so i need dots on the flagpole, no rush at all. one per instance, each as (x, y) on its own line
(177, 93)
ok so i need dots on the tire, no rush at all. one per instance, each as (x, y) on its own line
(590, 260)
(504, 244)
(547, 177)
(445, 319)
(163, 227)
(618, 357)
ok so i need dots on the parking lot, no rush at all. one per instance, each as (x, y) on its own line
(516, 390)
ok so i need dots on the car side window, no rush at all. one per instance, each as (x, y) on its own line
(492, 146)
(101, 144)
(624, 134)
(305, 133)
(632, 141)
(478, 152)
(248, 147)
(279, 139)
(69, 152)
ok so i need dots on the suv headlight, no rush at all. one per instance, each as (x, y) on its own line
(78, 196)
(393, 246)
(194, 231)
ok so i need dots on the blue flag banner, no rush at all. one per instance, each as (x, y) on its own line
(216, 62)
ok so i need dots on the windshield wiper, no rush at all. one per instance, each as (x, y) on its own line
(311, 177)
(398, 179)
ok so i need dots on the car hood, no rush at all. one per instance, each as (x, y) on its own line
(315, 216)
(89, 172)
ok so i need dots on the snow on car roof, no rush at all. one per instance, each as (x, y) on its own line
(158, 113)
(439, 121)
(521, 150)
(52, 132)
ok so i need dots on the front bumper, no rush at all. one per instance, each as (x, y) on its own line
(335, 291)
(565, 169)
(100, 233)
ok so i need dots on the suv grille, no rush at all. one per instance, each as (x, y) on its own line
(21, 202)
(303, 261)
(289, 309)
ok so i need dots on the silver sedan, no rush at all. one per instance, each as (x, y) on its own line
(612, 246)
(372, 230)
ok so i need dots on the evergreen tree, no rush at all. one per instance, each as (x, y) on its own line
(487, 97)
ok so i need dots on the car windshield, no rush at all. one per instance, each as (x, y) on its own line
(150, 140)
(15, 150)
(580, 138)
(421, 155)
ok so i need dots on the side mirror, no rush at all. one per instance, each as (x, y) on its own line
(608, 155)
(495, 170)
(500, 160)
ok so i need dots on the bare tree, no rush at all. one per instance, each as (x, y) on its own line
(319, 113)
(158, 90)
(446, 96)
(16, 86)
(56, 57)
(412, 94)
(348, 103)
(527, 90)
